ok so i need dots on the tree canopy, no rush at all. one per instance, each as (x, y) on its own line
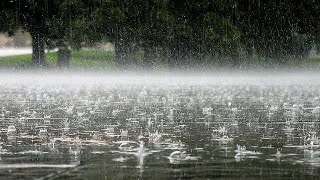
(179, 33)
(32, 16)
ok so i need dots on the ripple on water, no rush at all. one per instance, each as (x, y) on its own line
(137, 129)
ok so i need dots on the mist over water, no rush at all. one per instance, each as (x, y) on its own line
(164, 125)
(160, 78)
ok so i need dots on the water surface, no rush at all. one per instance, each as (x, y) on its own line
(167, 126)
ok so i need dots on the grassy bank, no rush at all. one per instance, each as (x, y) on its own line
(105, 60)
(83, 59)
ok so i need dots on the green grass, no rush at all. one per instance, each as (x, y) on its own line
(83, 59)
(93, 59)
(105, 60)
(312, 63)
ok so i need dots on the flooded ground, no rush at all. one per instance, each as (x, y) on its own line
(161, 127)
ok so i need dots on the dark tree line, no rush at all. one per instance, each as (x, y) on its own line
(180, 33)
(279, 29)
(32, 16)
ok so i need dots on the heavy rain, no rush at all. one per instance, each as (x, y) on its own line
(159, 89)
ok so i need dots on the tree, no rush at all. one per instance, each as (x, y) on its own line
(278, 29)
(8, 24)
(202, 29)
(178, 32)
(34, 17)
(154, 30)
(70, 28)
(115, 21)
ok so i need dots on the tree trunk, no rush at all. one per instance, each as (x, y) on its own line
(131, 51)
(64, 57)
(181, 54)
(235, 58)
(149, 57)
(38, 54)
(120, 53)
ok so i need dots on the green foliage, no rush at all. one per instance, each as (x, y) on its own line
(278, 29)
(69, 26)
(173, 32)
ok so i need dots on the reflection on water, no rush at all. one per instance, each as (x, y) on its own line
(159, 131)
